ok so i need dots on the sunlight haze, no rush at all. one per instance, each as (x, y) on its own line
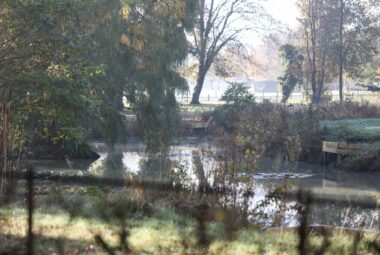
(284, 11)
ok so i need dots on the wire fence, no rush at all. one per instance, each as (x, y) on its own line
(303, 197)
(295, 97)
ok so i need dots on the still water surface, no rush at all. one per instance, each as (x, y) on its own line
(192, 164)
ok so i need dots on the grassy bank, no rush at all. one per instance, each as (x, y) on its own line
(166, 233)
(352, 129)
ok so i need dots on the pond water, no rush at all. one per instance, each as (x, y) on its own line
(193, 164)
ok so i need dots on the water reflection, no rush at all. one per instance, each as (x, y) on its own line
(113, 165)
(202, 182)
(156, 167)
(201, 167)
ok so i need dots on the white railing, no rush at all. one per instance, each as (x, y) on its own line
(295, 98)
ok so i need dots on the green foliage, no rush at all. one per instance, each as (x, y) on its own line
(340, 39)
(237, 98)
(292, 73)
(361, 31)
(238, 94)
(155, 43)
(66, 65)
(268, 130)
(57, 70)
(371, 73)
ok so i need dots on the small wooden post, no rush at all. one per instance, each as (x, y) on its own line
(324, 163)
(338, 159)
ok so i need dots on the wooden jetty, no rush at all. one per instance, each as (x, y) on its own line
(341, 148)
(196, 126)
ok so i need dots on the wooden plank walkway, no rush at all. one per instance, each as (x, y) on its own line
(342, 148)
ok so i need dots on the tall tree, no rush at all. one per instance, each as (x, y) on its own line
(339, 38)
(220, 23)
(155, 44)
(51, 94)
(371, 74)
(357, 32)
(317, 34)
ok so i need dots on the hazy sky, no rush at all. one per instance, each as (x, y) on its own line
(283, 10)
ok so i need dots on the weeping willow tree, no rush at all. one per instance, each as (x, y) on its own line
(155, 44)
(57, 77)
(109, 54)
(65, 65)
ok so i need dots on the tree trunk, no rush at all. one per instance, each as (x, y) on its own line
(314, 86)
(198, 88)
(5, 167)
(341, 98)
(199, 171)
(341, 52)
(321, 77)
(5, 133)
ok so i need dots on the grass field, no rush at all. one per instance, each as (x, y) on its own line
(166, 233)
(352, 129)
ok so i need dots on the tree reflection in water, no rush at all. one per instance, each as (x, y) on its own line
(113, 166)
(261, 199)
(156, 167)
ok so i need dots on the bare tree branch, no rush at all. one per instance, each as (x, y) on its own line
(220, 23)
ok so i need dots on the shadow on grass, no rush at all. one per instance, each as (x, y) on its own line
(13, 245)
